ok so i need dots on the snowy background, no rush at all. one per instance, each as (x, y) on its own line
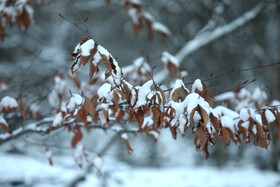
(29, 58)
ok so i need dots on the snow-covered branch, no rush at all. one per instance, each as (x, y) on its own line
(210, 36)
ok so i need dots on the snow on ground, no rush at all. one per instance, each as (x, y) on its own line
(35, 172)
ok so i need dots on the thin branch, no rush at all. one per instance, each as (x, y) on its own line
(81, 18)
(76, 25)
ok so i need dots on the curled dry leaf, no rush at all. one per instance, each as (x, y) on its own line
(126, 141)
(78, 135)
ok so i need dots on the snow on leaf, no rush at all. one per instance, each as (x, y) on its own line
(170, 62)
(143, 92)
(8, 104)
(58, 119)
(155, 134)
(269, 116)
(161, 29)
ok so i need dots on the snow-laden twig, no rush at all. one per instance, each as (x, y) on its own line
(210, 36)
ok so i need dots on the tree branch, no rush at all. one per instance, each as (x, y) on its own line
(210, 36)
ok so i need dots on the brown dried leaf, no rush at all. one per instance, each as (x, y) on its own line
(82, 114)
(204, 115)
(22, 110)
(139, 117)
(173, 131)
(192, 114)
(77, 136)
(120, 115)
(226, 136)
(176, 94)
(156, 113)
(126, 141)
(90, 106)
(6, 128)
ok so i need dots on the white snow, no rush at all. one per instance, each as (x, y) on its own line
(98, 162)
(167, 57)
(104, 91)
(143, 91)
(57, 119)
(244, 114)
(124, 135)
(197, 85)
(86, 47)
(228, 122)
(8, 102)
(269, 116)
(53, 99)
(59, 84)
(156, 26)
(74, 101)
(225, 96)
(223, 111)
(37, 172)
(148, 121)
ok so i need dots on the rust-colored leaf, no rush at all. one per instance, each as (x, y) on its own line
(90, 106)
(162, 95)
(82, 114)
(139, 117)
(120, 115)
(22, 110)
(126, 141)
(6, 128)
(226, 136)
(204, 115)
(156, 113)
(106, 62)
(77, 136)
(176, 94)
(216, 123)
(173, 131)
(192, 114)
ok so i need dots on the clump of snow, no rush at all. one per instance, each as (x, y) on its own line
(158, 27)
(228, 122)
(98, 162)
(197, 85)
(117, 72)
(148, 121)
(53, 99)
(167, 57)
(57, 119)
(59, 84)
(269, 116)
(143, 91)
(244, 114)
(223, 111)
(86, 47)
(124, 135)
(225, 96)
(74, 101)
(104, 91)
(259, 95)
(8, 102)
